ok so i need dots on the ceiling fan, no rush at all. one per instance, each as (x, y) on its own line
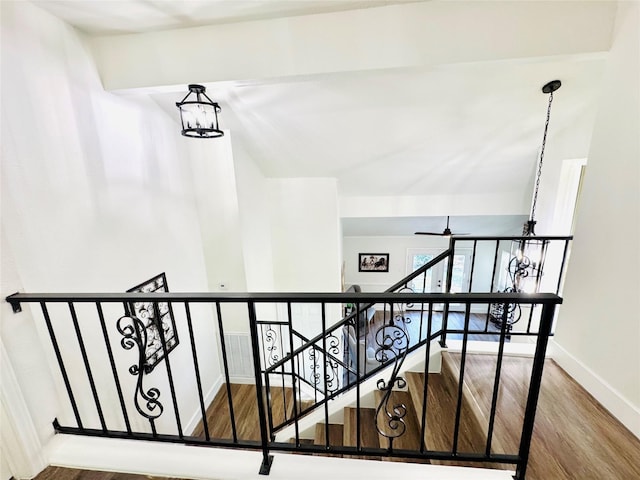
(445, 233)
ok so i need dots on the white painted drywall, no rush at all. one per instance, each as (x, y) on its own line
(598, 329)
(255, 222)
(95, 197)
(397, 247)
(305, 232)
(397, 36)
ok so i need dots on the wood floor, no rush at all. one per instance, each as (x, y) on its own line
(574, 436)
(59, 473)
(417, 326)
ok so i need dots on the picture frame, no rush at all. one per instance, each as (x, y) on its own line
(373, 262)
(155, 315)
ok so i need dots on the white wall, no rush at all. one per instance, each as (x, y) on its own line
(255, 222)
(95, 197)
(305, 232)
(598, 331)
(396, 247)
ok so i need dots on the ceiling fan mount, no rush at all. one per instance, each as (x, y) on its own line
(445, 233)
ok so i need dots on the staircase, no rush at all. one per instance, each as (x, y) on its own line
(440, 413)
(440, 418)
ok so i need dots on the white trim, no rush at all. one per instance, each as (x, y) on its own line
(482, 347)
(621, 408)
(242, 380)
(171, 460)
(21, 446)
(208, 399)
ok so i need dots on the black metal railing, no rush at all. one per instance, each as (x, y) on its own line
(495, 264)
(104, 389)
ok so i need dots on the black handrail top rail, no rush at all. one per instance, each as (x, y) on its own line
(517, 237)
(293, 297)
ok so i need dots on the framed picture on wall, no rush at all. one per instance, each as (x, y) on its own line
(373, 262)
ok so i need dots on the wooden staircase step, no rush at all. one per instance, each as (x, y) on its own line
(410, 439)
(442, 398)
(440, 414)
(335, 435)
(480, 372)
(368, 433)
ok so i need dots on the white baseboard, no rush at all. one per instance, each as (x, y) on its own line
(242, 380)
(208, 398)
(621, 408)
(180, 461)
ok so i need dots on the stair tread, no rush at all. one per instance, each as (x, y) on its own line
(512, 395)
(410, 439)
(335, 434)
(368, 433)
(442, 401)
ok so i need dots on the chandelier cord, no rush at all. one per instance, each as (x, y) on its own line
(539, 174)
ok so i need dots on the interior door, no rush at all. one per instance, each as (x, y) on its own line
(432, 280)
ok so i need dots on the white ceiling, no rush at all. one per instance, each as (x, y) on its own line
(135, 16)
(448, 129)
(470, 128)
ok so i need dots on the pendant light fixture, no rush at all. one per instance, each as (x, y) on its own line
(199, 114)
(527, 254)
(525, 268)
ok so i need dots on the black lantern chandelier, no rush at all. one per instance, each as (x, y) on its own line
(527, 254)
(199, 114)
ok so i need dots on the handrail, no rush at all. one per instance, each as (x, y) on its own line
(328, 297)
(150, 398)
(510, 238)
(149, 403)
(523, 298)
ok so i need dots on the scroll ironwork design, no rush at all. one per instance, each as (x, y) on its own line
(332, 377)
(315, 375)
(393, 344)
(401, 310)
(134, 334)
(329, 358)
(271, 346)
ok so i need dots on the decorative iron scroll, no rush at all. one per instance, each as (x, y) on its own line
(315, 375)
(403, 307)
(271, 346)
(332, 378)
(155, 316)
(331, 373)
(497, 311)
(393, 343)
(134, 334)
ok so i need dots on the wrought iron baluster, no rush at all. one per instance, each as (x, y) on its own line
(146, 402)
(393, 344)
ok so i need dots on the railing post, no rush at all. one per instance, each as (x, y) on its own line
(445, 309)
(267, 459)
(546, 321)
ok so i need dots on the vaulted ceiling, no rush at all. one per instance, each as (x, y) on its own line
(452, 110)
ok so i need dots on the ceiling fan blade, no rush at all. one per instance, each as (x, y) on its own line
(429, 233)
